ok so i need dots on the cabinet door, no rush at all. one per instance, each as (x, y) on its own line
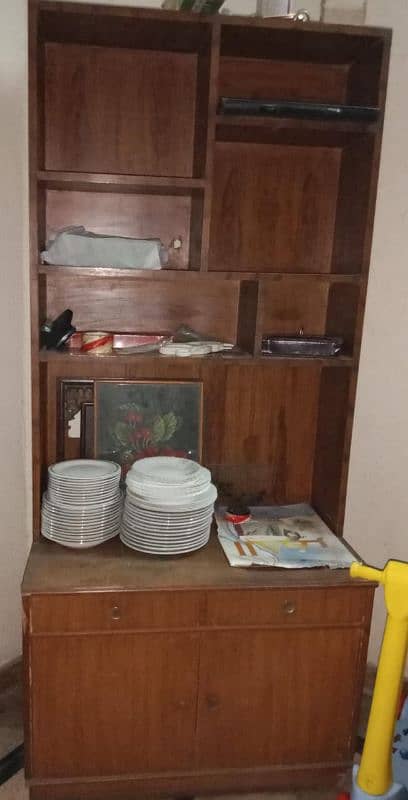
(277, 697)
(113, 704)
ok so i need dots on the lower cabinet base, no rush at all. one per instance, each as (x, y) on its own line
(287, 778)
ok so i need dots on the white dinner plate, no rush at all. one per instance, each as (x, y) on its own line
(194, 505)
(80, 469)
(151, 527)
(80, 545)
(84, 538)
(142, 533)
(81, 499)
(167, 530)
(82, 510)
(167, 470)
(162, 515)
(78, 533)
(156, 551)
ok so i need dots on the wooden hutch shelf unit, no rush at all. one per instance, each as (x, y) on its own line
(185, 676)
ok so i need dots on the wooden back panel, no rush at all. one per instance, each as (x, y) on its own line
(126, 305)
(274, 207)
(118, 110)
(265, 78)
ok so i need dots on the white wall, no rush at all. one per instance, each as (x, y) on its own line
(377, 508)
(377, 499)
(14, 450)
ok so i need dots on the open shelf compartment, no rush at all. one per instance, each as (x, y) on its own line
(266, 427)
(91, 126)
(288, 63)
(290, 200)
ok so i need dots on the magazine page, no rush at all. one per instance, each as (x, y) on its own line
(292, 537)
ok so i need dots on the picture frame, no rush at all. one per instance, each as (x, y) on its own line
(137, 419)
(73, 395)
(87, 444)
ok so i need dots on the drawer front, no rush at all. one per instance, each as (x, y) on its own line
(114, 611)
(312, 606)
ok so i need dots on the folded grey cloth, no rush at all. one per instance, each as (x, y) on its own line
(77, 247)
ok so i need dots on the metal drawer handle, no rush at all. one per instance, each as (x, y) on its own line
(289, 607)
(115, 612)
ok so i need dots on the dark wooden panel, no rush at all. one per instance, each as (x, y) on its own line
(353, 205)
(247, 316)
(141, 215)
(127, 703)
(261, 430)
(331, 457)
(274, 207)
(287, 305)
(123, 26)
(114, 611)
(282, 80)
(316, 44)
(342, 310)
(120, 305)
(97, 120)
(287, 607)
(270, 709)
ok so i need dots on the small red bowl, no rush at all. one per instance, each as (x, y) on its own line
(237, 519)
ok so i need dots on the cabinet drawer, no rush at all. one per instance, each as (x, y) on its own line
(289, 607)
(114, 611)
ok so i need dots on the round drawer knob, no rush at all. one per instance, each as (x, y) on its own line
(115, 612)
(289, 607)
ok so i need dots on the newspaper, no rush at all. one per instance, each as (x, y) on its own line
(292, 537)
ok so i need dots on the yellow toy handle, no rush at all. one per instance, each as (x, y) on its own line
(374, 776)
(367, 573)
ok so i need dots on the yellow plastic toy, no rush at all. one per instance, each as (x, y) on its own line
(374, 777)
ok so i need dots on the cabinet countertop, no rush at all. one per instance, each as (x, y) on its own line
(114, 567)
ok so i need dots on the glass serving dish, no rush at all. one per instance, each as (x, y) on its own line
(302, 346)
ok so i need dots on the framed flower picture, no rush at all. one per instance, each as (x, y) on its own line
(137, 419)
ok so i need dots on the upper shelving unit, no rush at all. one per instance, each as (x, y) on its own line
(243, 194)
(267, 220)
(248, 198)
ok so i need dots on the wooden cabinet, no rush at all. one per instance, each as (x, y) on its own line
(146, 676)
(193, 678)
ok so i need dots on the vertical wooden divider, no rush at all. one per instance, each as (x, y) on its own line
(247, 316)
(36, 117)
(209, 155)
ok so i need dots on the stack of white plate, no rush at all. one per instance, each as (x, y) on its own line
(169, 506)
(83, 504)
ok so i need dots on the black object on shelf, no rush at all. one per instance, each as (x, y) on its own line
(55, 333)
(302, 346)
(297, 109)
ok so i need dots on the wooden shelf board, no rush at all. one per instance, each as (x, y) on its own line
(113, 566)
(180, 274)
(98, 181)
(72, 357)
(291, 123)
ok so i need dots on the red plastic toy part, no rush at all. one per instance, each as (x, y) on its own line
(343, 796)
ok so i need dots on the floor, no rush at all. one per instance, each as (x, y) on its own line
(11, 720)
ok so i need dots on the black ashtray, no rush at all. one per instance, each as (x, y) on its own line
(302, 346)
